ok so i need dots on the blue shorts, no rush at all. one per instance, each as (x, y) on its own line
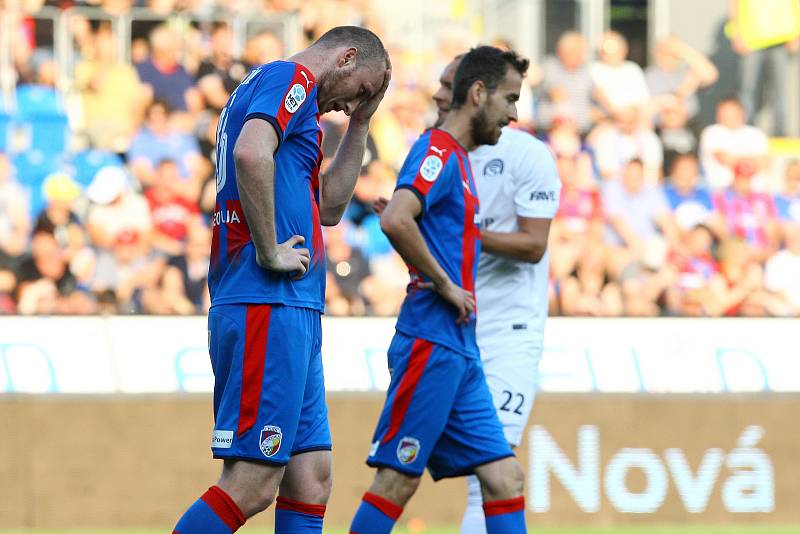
(438, 413)
(269, 391)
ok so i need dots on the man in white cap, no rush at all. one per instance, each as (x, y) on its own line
(115, 208)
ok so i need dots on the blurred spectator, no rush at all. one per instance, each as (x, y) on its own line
(763, 34)
(58, 218)
(678, 72)
(566, 84)
(220, 74)
(262, 48)
(640, 225)
(168, 79)
(697, 269)
(347, 268)
(690, 202)
(578, 225)
(14, 222)
(185, 288)
(628, 137)
(158, 140)
(565, 142)
(131, 271)
(738, 289)
(396, 130)
(782, 275)
(171, 213)
(788, 201)
(619, 83)
(587, 290)
(46, 267)
(115, 209)
(724, 144)
(677, 138)
(748, 215)
(113, 97)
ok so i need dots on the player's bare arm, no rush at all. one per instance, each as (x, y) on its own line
(338, 183)
(528, 244)
(255, 171)
(398, 222)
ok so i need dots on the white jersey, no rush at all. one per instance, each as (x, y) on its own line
(515, 177)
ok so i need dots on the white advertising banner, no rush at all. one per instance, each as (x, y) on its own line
(169, 354)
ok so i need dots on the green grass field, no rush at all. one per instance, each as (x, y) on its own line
(635, 529)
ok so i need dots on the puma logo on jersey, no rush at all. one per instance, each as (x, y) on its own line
(439, 151)
(308, 82)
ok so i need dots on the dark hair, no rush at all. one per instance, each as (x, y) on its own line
(487, 64)
(635, 161)
(369, 46)
(729, 100)
(158, 103)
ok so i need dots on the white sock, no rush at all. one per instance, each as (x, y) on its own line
(473, 522)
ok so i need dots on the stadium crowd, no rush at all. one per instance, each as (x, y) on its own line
(107, 188)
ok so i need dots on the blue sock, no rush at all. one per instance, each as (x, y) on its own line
(292, 517)
(505, 517)
(376, 515)
(213, 513)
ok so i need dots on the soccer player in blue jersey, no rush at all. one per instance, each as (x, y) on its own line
(267, 278)
(439, 411)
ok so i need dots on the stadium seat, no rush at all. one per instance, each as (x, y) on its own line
(32, 167)
(41, 117)
(84, 165)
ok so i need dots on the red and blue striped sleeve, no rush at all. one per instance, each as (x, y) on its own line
(424, 168)
(282, 89)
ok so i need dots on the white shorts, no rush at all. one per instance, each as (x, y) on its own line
(511, 364)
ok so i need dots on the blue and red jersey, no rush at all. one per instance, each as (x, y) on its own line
(284, 94)
(437, 170)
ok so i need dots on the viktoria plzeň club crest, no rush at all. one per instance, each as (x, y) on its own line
(407, 450)
(269, 440)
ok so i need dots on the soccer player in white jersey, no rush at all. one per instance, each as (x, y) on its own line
(518, 188)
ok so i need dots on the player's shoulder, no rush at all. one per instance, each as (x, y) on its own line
(435, 144)
(514, 140)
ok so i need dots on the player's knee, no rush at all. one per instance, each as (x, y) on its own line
(395, 486)
(504, 479)
(322, 487)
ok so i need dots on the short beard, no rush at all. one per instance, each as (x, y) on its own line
(482, 133)
(327, 86)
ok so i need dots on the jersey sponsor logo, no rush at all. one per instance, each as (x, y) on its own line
(488, 221)
(269, 440)
(407, 450)
(222, 439)
(225, 217)
(493, 167)
(295, 98)
(430, 168)
(544, 195)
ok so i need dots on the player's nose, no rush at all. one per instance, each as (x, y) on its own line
(349, 108)
(512, 115)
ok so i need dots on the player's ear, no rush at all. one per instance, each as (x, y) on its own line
(348, 57)
(478, 93)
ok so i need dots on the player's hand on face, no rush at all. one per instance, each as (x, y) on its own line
(380, 205)
(363, 113)
(460, 298)
(286, 258)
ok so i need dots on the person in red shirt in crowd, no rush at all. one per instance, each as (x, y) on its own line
(696, 269)
(171, 213)
(578, 224)
(747, 214)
